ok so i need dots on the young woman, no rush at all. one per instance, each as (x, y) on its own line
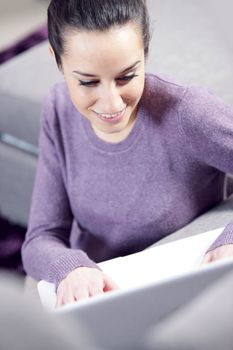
(126, 158)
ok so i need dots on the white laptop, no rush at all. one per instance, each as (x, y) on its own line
(154, 283)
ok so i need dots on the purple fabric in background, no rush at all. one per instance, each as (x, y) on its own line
(12, 236)
(24, 44)
(11, 239)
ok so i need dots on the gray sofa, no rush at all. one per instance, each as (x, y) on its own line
(190, 42)
(24, 81)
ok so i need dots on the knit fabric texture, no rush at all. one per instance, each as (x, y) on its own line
(94, 200)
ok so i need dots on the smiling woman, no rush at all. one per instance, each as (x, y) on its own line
(126, 158)
(109, 47)
(113, 86)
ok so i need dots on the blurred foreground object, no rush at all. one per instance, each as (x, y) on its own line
(24, 325)
(204, 324)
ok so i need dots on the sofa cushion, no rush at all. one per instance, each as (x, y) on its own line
(192, 42)
(17, 178)
(24, 81)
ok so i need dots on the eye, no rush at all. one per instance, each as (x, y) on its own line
(91, 83)
(127, 78)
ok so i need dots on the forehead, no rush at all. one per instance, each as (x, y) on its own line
(115, 47)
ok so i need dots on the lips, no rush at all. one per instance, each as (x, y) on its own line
(112, 117)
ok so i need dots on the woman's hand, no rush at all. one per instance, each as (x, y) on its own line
(225, 251)
(81, 283)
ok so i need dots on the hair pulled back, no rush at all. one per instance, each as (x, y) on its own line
(94, 15)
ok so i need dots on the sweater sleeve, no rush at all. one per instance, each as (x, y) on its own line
(46, 252)
(207, 123)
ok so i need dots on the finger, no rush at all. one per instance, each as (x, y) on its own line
(109, 284)
(60, 296)
(81, 294)
(207, 258)
(95, 290)
(64, 299)
(59, 300)
(68, 297)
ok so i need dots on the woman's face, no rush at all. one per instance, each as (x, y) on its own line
(105, 73)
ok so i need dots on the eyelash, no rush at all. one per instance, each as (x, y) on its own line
(93, 83)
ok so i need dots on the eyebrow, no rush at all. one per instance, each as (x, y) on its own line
(95, 76)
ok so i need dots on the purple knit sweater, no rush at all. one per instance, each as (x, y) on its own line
(123, 197)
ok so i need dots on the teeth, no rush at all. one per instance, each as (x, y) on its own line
(109, 116)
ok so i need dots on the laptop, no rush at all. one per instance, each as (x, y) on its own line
(121, 319)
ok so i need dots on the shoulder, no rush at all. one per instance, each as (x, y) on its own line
(162, 94)
(160, 85)
(189, 95)
(191, 102)
(201, 109)
(193, 110)
(58, 96)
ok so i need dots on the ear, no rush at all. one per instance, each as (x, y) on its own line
(51, 51)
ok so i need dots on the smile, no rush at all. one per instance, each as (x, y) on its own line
(111, 116)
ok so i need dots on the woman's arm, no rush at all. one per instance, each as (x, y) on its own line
(207, 123)
(46, 252)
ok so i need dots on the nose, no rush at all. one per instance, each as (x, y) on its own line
(110, 100)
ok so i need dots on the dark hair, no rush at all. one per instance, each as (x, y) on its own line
(91, 15)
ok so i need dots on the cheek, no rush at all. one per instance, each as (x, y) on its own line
(80, 98)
